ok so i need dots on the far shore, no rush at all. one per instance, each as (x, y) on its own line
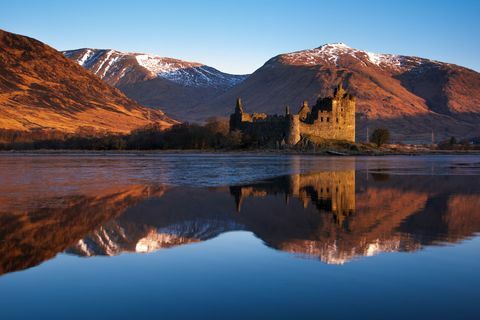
(375, 153)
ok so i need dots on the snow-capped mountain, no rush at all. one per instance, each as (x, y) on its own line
(113, 66)
(173, 85)
(411, 96)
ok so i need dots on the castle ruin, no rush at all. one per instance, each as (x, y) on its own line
(331, 118)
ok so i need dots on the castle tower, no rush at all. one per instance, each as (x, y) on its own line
(335, 116)
(344, 111)
(339, 92)
(304, 111)
(236, 118)
(239, 106)
(293, 129)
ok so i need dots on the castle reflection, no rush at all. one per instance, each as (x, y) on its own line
(330, 192)
(333, 216)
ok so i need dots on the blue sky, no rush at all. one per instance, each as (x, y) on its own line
(239, 36)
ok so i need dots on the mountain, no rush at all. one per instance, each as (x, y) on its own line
(409, 95)
(41, 89)
(173, 85)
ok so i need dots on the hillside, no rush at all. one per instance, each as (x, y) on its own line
(41, 89)
(409, 95)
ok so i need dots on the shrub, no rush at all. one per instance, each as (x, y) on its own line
(380, 136)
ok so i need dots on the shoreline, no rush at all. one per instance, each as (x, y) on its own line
(330, 153)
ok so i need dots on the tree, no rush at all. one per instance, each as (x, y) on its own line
(453, 141)
(217, 125)
(380, 136)
(234, 139)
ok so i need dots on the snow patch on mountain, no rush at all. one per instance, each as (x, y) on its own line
(85, 57)
(187, 73)
(111, 64)
(388, 59)
(160, 65)
(333, 52)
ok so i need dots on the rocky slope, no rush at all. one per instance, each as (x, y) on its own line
(41, 89)
(411, 96)
(173, 85)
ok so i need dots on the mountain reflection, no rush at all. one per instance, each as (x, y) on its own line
(333, 216)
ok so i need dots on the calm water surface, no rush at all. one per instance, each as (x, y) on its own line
(182, 236)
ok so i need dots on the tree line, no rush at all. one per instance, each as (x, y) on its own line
(214, 134)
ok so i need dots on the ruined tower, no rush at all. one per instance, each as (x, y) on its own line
(292, 134)
(332, 117)
(239, 116)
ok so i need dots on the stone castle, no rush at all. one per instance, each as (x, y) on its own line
(331, 118)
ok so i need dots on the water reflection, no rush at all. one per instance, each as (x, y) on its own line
(337, 216)
(334, 216)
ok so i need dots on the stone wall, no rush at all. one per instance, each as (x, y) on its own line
(269, 130)
(330, 126)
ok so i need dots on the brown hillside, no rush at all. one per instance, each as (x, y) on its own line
(40, 89)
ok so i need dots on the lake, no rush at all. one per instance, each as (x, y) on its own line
(234, 236)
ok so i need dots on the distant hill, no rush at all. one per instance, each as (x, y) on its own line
(41, 89)
(173, 85)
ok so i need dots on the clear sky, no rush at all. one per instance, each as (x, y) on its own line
(239, 36)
